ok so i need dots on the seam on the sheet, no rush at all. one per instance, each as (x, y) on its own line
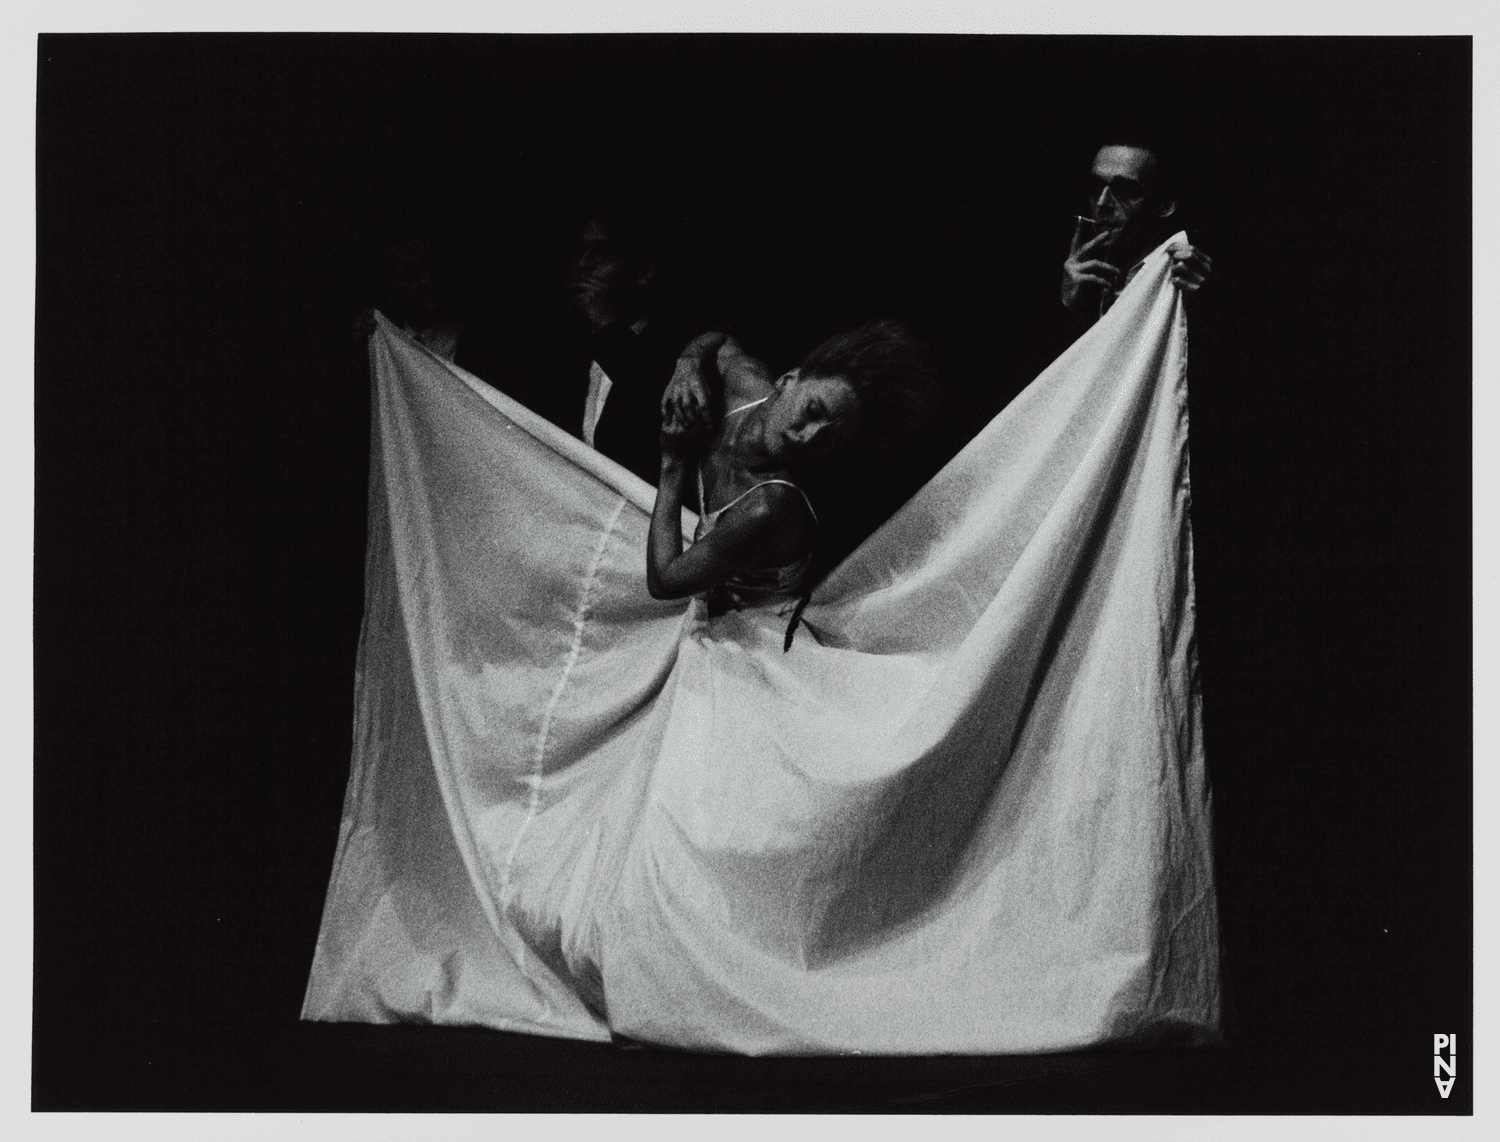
(534, 778)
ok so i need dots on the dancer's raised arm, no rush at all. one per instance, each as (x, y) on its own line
(712, 369)
(770, 523)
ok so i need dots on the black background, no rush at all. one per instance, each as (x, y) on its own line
(207, 211)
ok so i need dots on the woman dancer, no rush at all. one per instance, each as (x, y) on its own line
(757, 527)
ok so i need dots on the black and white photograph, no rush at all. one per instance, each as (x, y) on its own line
(753, 574)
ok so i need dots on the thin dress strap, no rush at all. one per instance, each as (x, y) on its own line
(720, 511)
(743, 407)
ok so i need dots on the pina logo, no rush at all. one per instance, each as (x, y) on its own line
(1440, 1065)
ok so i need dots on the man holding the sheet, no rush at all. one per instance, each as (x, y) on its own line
(1130, 206)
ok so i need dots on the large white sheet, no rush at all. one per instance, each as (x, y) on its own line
(970, 816)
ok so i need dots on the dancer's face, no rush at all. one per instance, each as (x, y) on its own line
(810, 415)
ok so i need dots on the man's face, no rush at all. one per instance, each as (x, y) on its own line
(599, 265)
(605, 282)
(1121, 191)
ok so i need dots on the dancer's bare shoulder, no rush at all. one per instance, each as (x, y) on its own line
(746, 378)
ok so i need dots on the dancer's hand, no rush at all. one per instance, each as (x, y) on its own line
(1190, 267)
(686, 397)
(1084, 268)
(677, 436)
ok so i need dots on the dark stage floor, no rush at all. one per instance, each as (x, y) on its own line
(322, 1067)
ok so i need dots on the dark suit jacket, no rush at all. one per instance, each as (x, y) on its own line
(639, 366)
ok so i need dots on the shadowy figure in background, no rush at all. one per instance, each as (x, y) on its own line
(1130, 205)
(627, 280)
(592, 352)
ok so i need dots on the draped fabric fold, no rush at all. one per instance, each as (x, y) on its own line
(966, 812)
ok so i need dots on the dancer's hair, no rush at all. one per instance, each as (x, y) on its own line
(893, 377)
